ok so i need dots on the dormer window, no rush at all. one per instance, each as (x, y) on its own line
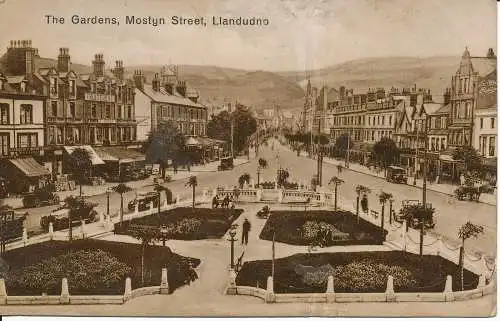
(23, 87)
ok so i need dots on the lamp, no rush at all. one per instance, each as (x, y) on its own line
(163, 232)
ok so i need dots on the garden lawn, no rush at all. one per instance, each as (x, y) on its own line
(104, 267)
(302, 228)
(186, 223)
(356, 272)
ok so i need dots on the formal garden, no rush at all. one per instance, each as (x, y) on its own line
(355, 272)
(184, 223)
(92, 267)
(320, 228)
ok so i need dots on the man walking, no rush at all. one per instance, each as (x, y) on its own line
(246, 230)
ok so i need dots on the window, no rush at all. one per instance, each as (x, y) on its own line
(390, 120)
(72, 87)
(93, 111)
(492, 123)
(4, 144)
(4, 114)
(72, 109)
(129, 112)
(53, 106)
(383, 120)
(99, 135)
(59, 133)
(27, 140)
(113, 134)
(443, 143)
(23, 87)
(119, 110)
(443, 122)
(26, 114)
(53, 86)
(491, 151)
(76, 135)
(108, 111)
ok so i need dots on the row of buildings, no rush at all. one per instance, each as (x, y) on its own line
(46, 109)
(465, 116)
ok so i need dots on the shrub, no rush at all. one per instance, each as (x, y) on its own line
(184, 226)
(85, 270)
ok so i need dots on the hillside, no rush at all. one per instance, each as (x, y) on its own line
(433, 73)
(264, 89)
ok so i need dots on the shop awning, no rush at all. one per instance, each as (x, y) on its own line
(29, 167)
(191, 141)
(95, 159)
(119, 154)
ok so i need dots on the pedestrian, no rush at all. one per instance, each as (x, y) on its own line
(246, 230)
(175, 167)
(462, 179)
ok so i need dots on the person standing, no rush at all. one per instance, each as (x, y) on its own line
(246, 230)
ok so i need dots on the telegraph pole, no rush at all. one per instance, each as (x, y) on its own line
(232, 137)
(416, 160)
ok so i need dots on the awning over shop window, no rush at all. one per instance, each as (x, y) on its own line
(30, 167)
(191, 141)
(119, 154)
(95, 159)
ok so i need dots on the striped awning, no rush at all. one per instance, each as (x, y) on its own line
(30, 167)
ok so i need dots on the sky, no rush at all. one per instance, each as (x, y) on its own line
(301, 35)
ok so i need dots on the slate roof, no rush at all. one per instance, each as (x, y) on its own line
(163, 96)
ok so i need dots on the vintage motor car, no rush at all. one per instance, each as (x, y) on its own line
(146, 201)
(226, 163)
(413, 222)
(59, 217)
(40, 197)
(396, 174)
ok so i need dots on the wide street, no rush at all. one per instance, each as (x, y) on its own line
(450, 213)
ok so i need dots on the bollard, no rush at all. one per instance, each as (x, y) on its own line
(51, 230)
(25, 236)
(83, 229)
(270, 290)
(448, 289)
(330, 290)
(177, 199)
(231, 286)
(164, 282)
(439, 245)
(389, 290)
(64, 292)
(128, 289)
(3, 292)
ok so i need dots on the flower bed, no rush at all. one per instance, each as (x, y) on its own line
(356, 272)
(92, 267)
(321, 228)
(186, 223)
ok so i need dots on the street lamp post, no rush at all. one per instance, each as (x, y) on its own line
(232, 234)
(163, 232)
(391, 200)
(107, 202)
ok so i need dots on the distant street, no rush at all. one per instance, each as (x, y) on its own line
(451, 214)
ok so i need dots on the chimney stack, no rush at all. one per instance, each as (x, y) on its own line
(63, 60)
(156, 82)
(119, 71)
(98, 65)
(181, 88)
(138, 79)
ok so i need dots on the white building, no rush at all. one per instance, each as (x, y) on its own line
(485, 131)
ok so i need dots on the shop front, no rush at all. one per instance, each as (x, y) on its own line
(24, 175)
(122, 164)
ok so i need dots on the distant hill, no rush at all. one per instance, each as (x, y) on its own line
(264, 89)
(433, 73)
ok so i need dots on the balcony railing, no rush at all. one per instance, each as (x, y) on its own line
(100, 97)
(25, 151)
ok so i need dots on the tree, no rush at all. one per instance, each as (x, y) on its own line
(78, 209)
(262, 165)
(383, 198)
(336, 182)
(283, 175)
(121, 189)
(193, 182)
(146, 236)
(423, 214)
(385, 152)
(244, 178)
(321, 139)
(164, 143)
(244, 125)
(360, 190)
(470, 156)
(80, 164)
(465, 232)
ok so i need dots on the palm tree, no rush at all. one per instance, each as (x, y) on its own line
(422, 214)
(465, 232)
(146, 236)
(244, 178)
(336, 181)
(193, 182)
(80, 162)
(121, 189)
(262, 165)
(78, 209)
(360, 190)
(383, 198)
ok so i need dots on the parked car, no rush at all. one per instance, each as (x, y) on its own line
(396, 174)
(59, 217)
(226, 163)
(40, 197)
(146, 201)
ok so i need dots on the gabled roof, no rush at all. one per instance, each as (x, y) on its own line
(429, 108)
(162, 96)
(446, 109)
(483, 65)
(48, 71)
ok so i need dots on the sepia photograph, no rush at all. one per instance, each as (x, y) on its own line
(216, 158)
